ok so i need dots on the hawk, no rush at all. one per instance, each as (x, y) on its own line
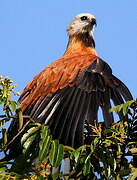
(70, 90)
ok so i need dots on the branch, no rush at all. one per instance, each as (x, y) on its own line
(15, 117)
(23, 128)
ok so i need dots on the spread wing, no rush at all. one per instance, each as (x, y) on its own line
(69, 92)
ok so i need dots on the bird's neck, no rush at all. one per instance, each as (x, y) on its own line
(80, 44)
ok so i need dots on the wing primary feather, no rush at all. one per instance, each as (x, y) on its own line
(52, 111)
(44, 108)
(64, 103)
(67, 117)
(77, 126)
(39, 105)
(117, 100)
(48, 113)
(49, 106)
(116, 97)
(74, 116)
(106, 106)
(123, 90)
(92, 109)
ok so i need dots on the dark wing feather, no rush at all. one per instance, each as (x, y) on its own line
(69, 92)
(122, 89)
(92, 109)
(106, 106)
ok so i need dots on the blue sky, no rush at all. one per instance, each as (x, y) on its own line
(33, 34)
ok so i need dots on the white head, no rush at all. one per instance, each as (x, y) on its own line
(82, 24)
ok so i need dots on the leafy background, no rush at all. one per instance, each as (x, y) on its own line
(107, 153)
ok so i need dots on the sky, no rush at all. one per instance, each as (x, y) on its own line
(33, 34)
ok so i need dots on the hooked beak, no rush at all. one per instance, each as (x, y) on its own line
(93, 22)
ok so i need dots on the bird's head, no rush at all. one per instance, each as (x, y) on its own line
(82, 24)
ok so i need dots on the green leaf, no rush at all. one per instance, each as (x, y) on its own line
(40, 178)
(118, 177)
(130, 102)
(69, 148)
(119, 153)
(29, 133)
(53, 153)
(45, 132)
(76, 156)
(107, 141)
(44, 148)
(4, 137)
(87, 166)
(109, 171)
(20, 115)
(122, 106)
(13, 105)
(92, 147)
(28, 143)
(1, 99)
(76, 153)
(125, 172)
(133, 175)
(4, 177)
(60, 155)
(133, 150)
(117, 108)
(44, 143)
(55, 176)
(125, 109)
(3, 169)
(114, 131)
(126, 106)
(96, 140)
(115, 164)
(4, 91)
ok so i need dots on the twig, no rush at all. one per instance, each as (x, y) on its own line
(19, 132)
(15, 117)
(6, 162)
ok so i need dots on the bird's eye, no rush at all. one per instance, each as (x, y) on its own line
(83, 18)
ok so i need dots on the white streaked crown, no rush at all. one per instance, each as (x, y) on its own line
(79, 26)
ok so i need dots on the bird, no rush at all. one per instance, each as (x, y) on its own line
(71, 90)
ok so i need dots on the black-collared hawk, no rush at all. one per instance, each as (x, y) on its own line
(70, 90)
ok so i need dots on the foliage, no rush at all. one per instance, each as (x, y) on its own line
(108, 153)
